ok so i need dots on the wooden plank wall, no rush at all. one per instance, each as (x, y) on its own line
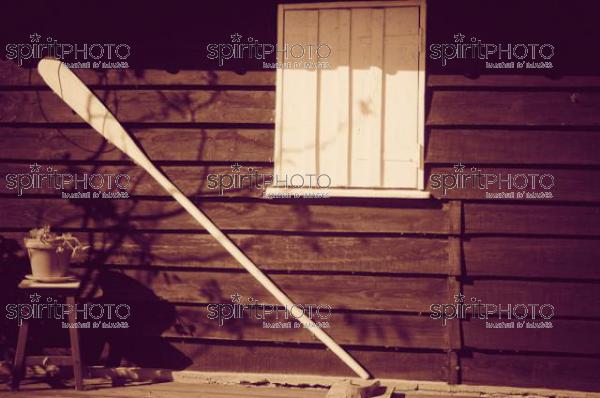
(379, 263)
(542, 251)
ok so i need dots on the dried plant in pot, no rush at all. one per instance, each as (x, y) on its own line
(50, 254)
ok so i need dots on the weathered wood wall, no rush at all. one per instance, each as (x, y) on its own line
(379, 263)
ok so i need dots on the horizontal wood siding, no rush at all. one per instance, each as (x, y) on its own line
(513, 108)
(529, 250)
(241, 144)
(161, 214)
(380, 264)
(140, 106)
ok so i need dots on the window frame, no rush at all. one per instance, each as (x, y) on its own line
(419, 191)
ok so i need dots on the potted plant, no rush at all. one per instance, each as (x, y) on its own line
(50, 254)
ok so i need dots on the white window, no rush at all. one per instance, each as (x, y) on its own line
(350, 98)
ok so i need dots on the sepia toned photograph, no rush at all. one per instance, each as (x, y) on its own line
(300, 199)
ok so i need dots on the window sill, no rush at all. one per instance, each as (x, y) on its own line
(309, 193)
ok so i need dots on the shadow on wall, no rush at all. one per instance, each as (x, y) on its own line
(150, 317)
(173, 38)
(140, 344)
(13, 267)
(167, 39)
(109, 224)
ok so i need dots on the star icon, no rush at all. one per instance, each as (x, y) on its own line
(236, 167)
(35, 38)
(459, 168)
(459, 37)
(459, 298)
(235, 38)
(35, 168)
(35, 298)
(236, 298)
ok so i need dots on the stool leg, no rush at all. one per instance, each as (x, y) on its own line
(18, 367)
(75, 350)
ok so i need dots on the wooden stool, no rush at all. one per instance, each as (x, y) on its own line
(69, 291)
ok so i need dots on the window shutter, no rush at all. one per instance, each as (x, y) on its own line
(299, 96)
(358, 121)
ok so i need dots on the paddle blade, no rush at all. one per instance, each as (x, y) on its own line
(80, 98)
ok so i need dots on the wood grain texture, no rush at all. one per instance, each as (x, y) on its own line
(566, 336)
(568, 298)
(350, 292)
(261, 359)
(273, 252)
(104, 388)
(542, 219)
(406, 331)
(564, 184)
(216, 179)
(264, 215)
(334, 108)
(348, 254)
(401, 99)
(193, 145)
(509, 108)
(297, 125)
(518, 147)
(194, 181)
(366, 63)
(532, 257)
(574, 373)
(13, 75)
(144, 106)
(516, 81)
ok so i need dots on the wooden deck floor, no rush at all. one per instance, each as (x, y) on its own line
(104, 389)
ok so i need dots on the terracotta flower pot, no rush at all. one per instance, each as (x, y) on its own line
(47, 261)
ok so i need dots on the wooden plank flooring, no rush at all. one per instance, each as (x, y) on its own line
(102, 388)
(99, 388)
